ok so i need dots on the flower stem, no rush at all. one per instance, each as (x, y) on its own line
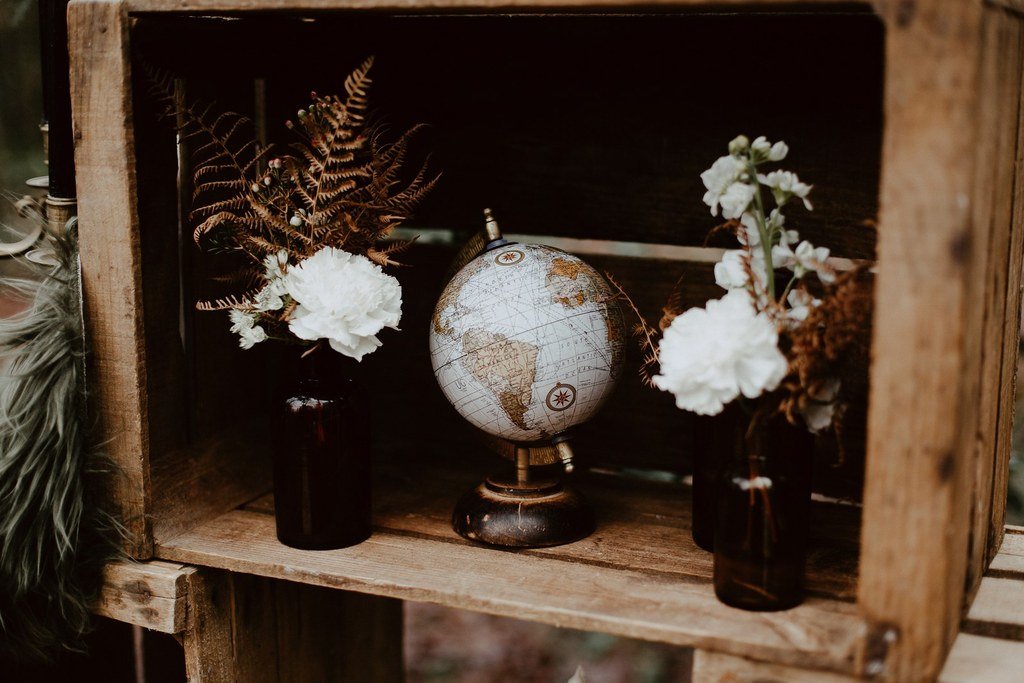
(762, 228)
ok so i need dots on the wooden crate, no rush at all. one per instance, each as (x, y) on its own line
(586, 123)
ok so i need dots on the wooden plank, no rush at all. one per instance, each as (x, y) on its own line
(976, 659)
(996, 610)
(642, 526)
(925, 364)
(150, 594)
(208, 478)
(711, 667)
(434, 5)
(110, 252)
(999, 117)
(638, 576)
(1011, 340)
(1008, 563)
(258, 630)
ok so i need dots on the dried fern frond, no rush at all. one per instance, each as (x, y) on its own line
(643, 331)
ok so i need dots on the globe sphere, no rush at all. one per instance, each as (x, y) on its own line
(526, 342)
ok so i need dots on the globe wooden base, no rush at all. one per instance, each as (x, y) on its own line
(511, 514)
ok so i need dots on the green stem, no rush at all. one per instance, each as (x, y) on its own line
(762, 228)
(789, 286)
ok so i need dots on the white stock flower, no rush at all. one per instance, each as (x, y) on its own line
(344, 298)
(711, 355)
(717, 179)
(778, 151)
(751, 233)
(244, 325)
(800, 305)
(820, 411)
(786, 184)
(807, 257)
(736, 199)
(761, 147)
(732, 272)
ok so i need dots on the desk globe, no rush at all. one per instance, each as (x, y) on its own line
(526, 342)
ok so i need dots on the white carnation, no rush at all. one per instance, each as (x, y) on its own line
(344, 298)
(711, 355)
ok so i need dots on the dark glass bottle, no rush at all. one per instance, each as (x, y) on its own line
(322, 456)
(761, 529)
(714, 442)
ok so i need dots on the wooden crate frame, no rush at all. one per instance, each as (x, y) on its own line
(944, 347)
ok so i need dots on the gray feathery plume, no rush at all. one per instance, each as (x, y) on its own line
(54, 538)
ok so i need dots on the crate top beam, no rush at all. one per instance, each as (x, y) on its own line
(233, 6)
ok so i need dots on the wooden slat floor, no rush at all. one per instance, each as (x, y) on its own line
(639, 575)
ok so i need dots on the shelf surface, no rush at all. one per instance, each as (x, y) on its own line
(639, 575)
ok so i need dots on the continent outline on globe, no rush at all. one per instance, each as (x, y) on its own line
(516, 323)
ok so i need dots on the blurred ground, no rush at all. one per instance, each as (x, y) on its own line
(453, 646)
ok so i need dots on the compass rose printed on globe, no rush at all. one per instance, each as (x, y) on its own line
(526, 341)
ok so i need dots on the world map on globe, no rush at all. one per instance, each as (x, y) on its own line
(527, 341)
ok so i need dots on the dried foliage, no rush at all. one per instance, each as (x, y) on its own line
(833, 338)
(339, 185)
(644, 332)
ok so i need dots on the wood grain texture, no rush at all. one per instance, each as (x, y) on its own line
(639, 575)
(110, 252)
(996, 609)
(711, 667)
(925, 363)
(999, 120)
(492, 5)
(1011, 341)
(976, 659)
(1008, 562)
(149, 594)
(259, 630)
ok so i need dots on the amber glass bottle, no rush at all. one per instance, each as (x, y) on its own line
(761, 527)
(714, 443)
(322, 456)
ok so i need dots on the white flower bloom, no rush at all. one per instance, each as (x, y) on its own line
(800, 305)
(809, 258)
(344, 298)
(269, 298)
(723, 173)
(819, 413)
(786, 184)
(782, 256)
(275, 265)
(739, 144)
(778, 151)
(736, 199)
(760, 146)
(244, 325)
(751, 234)
(711, 355)
(731, 271)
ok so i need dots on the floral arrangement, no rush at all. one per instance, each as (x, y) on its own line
(788, 322)
(309, 220)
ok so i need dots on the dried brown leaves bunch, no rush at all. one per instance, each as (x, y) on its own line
(338, 186)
